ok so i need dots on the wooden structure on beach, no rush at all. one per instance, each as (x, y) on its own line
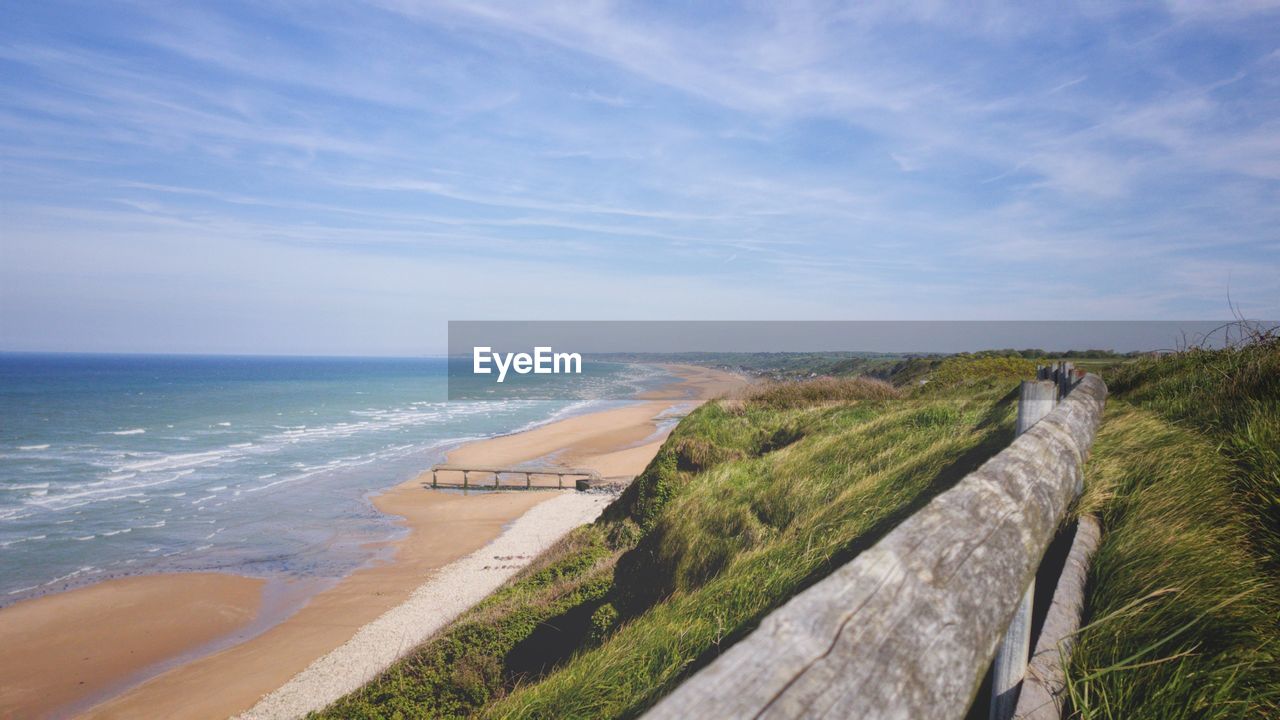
(560, 473)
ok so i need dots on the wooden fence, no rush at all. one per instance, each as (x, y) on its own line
(909, 628)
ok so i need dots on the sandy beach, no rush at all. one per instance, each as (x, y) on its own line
(72, 653)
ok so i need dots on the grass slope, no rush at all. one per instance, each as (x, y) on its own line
(746, 504)
(1183, 609)
(750, 502)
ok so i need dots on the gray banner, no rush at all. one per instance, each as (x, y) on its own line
(544, 359)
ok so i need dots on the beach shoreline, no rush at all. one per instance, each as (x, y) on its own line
(444, 528)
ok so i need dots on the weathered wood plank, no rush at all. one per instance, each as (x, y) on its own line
(1043, 689)
(1036, 399)
(908, 628)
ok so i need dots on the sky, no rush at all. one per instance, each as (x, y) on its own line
(344, 178)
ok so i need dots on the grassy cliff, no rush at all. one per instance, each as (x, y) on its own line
(746, 504)
(751, 501)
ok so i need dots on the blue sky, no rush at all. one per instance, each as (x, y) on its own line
(344, 178)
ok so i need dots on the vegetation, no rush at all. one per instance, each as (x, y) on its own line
(901, 369)
(1230, 397)
(746, 504)
(1183, 613)
(752, 500)
(778, 365)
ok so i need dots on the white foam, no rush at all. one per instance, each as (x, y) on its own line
(32, 538)
(176, 461)
(34, 447)
(68, 576)
(131, 431)
(60, 501)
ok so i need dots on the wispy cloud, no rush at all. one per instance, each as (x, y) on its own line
(911, 159)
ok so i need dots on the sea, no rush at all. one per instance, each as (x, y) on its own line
(115, 465)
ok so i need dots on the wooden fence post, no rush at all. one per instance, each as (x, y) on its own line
(1035, 400)
(1066, 378)
(433, 478)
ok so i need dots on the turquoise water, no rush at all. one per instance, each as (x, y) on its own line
(114, 465)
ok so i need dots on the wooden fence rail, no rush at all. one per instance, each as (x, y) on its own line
(909, 627)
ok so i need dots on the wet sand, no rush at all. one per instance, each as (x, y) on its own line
(54, 648)
(444, 527)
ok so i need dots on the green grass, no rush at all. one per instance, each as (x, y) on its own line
(746, 504)
(1183, 604)
(751, 501)
(1231, 398)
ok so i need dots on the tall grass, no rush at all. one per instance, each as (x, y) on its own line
(822, 391)
(745, 505)
(1183, 606)
(1232, 397)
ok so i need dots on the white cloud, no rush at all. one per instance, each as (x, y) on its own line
(856, 159)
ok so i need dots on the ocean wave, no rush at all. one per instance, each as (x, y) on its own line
(176, 461)
(131, 431)
(31, 538)
(29, 448)
(87, 569)
(25, 486)
(101, 492)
